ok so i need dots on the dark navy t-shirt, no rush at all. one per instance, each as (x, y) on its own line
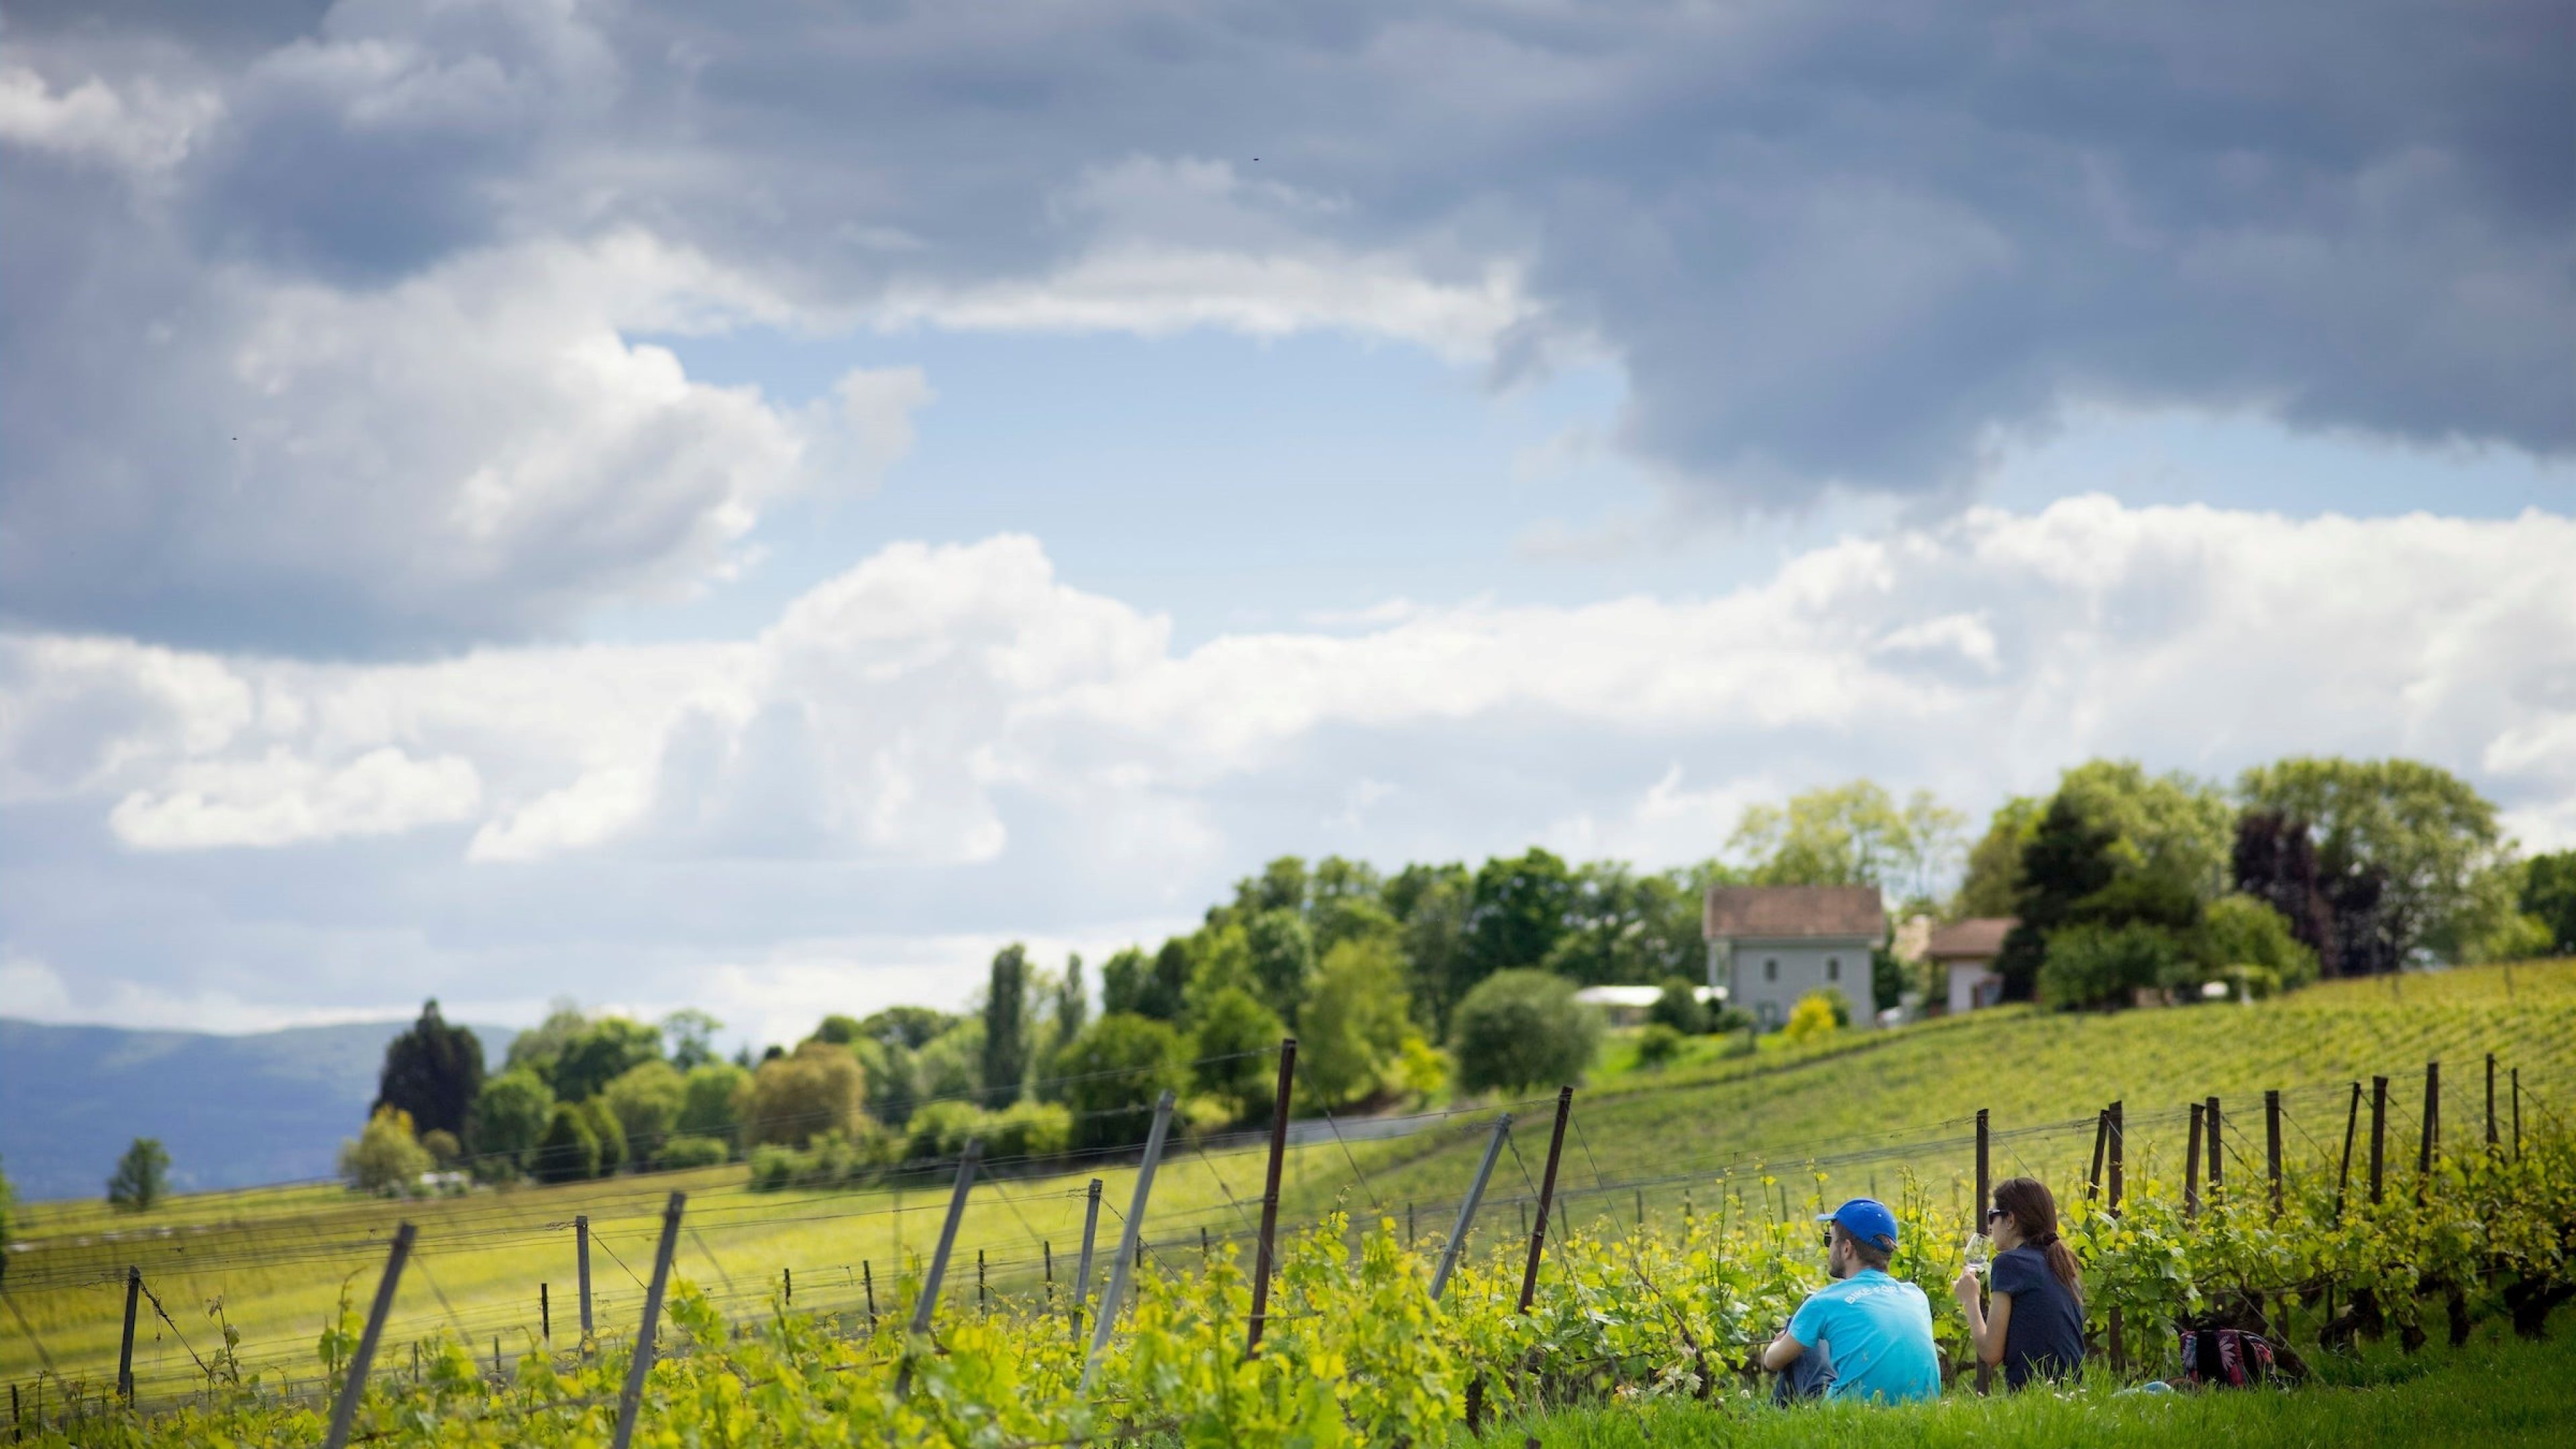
(2045, 1338)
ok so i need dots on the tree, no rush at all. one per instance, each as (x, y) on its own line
(1125, 980)
(1521, 1029)
(2091, 964)
(2549, 894)
(537, 1048)
(1006, 1027)
(1430, 903)
(1232, 1040)
(692, 1035)
(603, 1051)
(2275, 862)
(711, 1101)
(1166, 984)
(1282, 957)
(1519, 910)
(950, 1068)
(1281, 886)
(1114, 1072)
(1351, 1034)
(2067, 860)
(1680, 1008)
(1339, 880)
(432, 1074)
(1993, 881)
(2491, 924)
(796, 1099)
(1071, 1007)
(1622, 927)
(608, 1132)
(646, 1101)
(892, 1073)
(142, 1177)
(510, 1119)
(912, 1027)
(2399, 846)
(2251, 944)
(2172, 824)
(386, 1157)
(569, 1150)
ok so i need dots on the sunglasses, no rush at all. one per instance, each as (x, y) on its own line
(1992, 1214)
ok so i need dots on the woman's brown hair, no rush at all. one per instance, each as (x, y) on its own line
(2033, 1209)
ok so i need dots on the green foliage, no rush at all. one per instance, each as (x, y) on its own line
(839, 1030)
(646, 1102)
(2172, 825)
(1679, 1009)
(142, 1177)
(1350, 1038)
(1005, 1064)
(1282, 957)
(2250, 943)
(608, 1132)
(692, 1036)
(951, 1065)
(679, 1153)
(600, 1053)
(1993, 880)
(1230, 1045)
(892, 1079)
(1625, 927)
(1853, 834)
(1135, 984)
(1115, 1070)
(1658, 1044)
(2549, 896)
(2419, 834)
(1522, 1029)
(913, 1027)
(1018, 1133)
(2093, 965)
(2067, 860)
(797, 1098)
(445, 1152)
(1520, 908)
(1431, 904)
(711, 1101)
(569, 1150)
(432, 1073)
(510, 1118)
(385, 1157)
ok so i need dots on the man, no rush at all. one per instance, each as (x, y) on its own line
(1865, 1335)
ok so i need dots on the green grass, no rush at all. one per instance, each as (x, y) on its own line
(2490, 1393)
(274, 1260)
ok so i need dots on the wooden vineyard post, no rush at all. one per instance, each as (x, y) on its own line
(2378, 1135)
(868, 1283)
(2272, 1144)
(1985, 1194)
(1546, 1196)
(630, 1400)
(344, 1410)
(1132, 1249)
(2432, 1126)
(2351, 1125)
(1082, 1270)
(2191, 1164)
(2092, 1180)
(545, 1316)
(2119, 1153)
(2517, 1114)
(1467, 1208)
(581, 1269)
(125, 1351)
(983, 1304)
(1260, 1318)
(928, 1303)
(2491, 1125)
(2217, 1175)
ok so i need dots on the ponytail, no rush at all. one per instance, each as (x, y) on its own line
(2034, 1212)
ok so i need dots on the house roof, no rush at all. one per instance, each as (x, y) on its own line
(1790, 912)
(1976, 936)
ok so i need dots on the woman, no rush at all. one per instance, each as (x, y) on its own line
(2036, 1327)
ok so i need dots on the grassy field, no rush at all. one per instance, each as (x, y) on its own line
(1861, 1110)
(2497, 1393)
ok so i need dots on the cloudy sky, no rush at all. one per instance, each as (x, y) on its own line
(755, 505)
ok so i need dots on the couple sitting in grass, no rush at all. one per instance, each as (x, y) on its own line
(1868, 1336)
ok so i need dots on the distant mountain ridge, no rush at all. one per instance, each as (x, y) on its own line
(234, 1111)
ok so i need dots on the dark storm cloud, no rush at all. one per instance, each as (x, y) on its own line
(1832, 244)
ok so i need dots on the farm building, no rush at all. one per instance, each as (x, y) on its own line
(1770, 945)
(1966, 951)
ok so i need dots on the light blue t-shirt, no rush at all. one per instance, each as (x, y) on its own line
(1879, 1332)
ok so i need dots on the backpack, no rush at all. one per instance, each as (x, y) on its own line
(2226, 1358)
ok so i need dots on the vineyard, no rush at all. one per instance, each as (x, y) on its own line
(1636, 1256)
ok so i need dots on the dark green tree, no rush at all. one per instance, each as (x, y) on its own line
(692, 1036)
(1522, 907)
(1231, 1044)
(1167, 985)
(2066, 861)
(1623, 927)
(569, 1150)
(1283, 959)
(142, 1177)
(914, 1027)
(1006, 1027)
(1113, 1073)
(433, 1071)
(605, 1050)
(839, 1030)
(510, 1118)
(2549, 892)
(607, 1131)
(1072, 1009)
(1436, 901)
(1522, 1029)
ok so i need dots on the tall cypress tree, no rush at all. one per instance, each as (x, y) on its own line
(1006, 1027)
(433, 1071)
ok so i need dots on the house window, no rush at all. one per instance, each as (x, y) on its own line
(1771, 969)
(1833, 968)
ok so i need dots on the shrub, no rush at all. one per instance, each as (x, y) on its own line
(1658, 1044)
(678, 1153)
(1729, 1019)
(385, 1157)
(1818, 1014)
(142, 1176)
(1522, 1028)
(647, 1100)
(2090, 965)
(569, 1150)
(1027, 1129)
(443, 1148)
(1115, 1070)
(774, 1167)
(1231, 1040)
(509, 1118)
(1353, 1027)
(1680, 1008)
(796, 1099)
(940, 1129)
(711, 1102)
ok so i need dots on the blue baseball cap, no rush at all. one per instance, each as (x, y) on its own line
(1867, 1219)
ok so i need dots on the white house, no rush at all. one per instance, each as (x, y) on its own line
(1770, 945)
(1966, 951)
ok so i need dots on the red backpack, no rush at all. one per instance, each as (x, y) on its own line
(2225, 1358)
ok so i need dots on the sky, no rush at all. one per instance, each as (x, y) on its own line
(755, 507)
